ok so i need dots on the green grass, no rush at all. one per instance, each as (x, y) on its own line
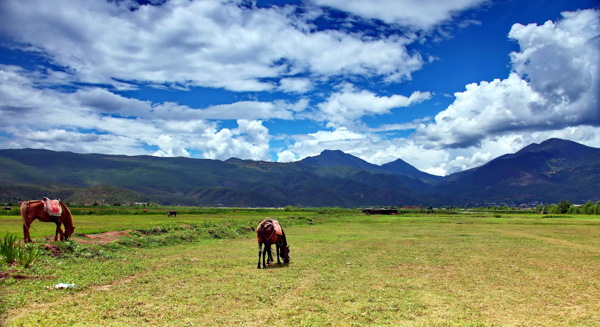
(350, 270)
(136, 219)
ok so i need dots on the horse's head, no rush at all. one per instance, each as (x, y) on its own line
(69, 231)
(285, 254)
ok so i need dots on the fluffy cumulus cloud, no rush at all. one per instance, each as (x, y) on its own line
(211, 43)
(421, 15)
(348, 105)
(249, 140)
(554, 85)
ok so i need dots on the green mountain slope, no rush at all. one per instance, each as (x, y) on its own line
(552, 171)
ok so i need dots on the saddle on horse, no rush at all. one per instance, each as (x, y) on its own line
(273, 222)
(52, 207)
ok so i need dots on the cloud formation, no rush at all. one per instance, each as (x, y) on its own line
(554, 84)
(280, 66)
(95, 120)
(346, 107)
(552, 92)
(210, 43)
(420, 15)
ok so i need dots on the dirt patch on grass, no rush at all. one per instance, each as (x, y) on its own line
(13, 274)
(16, 274)
(53, 249)
(101, 238)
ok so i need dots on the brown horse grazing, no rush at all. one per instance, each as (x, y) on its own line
(36, 209)
(270, 232)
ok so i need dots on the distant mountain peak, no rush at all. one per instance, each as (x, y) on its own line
(402, 167)
(557, 146)
(332, 158)
(551, 171)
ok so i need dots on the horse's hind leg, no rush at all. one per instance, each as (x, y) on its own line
(26, 236)
(259, 253)
(265, 257)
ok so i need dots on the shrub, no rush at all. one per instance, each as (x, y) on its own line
(9, 247)
(11, 251)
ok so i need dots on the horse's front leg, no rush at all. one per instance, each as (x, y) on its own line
(270, 255)
(59, 232)
(277, 249)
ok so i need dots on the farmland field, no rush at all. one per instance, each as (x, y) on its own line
(346, 269)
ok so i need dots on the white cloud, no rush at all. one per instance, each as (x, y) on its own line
(346, 107)
(423, 14)
(95, 120)
(555, 85)
(295, 85)
(63, 140)
(561, 62)
(212, 43)
(314, 143)
(249, 141)
(552, 91)
(237, 110)
(459, 159)
(102, 101)
(437, 161)
(286, 156)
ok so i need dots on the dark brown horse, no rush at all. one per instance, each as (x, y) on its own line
(35, 209)
(270, 232)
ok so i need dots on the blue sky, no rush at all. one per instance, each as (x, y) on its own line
(444, 85)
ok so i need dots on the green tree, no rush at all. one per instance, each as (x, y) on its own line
(564, 206)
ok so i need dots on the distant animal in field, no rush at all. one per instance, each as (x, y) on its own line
(47, 210)
(270, 232)
(172, 213)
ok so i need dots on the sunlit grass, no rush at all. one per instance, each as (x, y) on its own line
(348, 271)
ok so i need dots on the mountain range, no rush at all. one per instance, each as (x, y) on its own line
(548, 172)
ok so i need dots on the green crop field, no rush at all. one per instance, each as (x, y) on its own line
(346, 269)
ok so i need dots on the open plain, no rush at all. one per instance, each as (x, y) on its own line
(346, 269)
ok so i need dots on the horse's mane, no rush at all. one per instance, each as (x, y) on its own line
(284, 240)
(67, 218)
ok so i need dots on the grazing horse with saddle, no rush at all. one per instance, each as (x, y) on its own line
(47, 210)
(270, 232)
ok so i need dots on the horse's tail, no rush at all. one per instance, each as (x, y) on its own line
(23, 210)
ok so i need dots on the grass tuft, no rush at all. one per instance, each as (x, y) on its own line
(12, 251)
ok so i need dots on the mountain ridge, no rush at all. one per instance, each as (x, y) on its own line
(551, 171)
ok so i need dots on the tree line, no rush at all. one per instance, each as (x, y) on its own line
(588, 208)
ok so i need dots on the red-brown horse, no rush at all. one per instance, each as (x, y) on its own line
(270, 232)
(35, 209)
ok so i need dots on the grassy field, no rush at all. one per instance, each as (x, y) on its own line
(346, 270)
